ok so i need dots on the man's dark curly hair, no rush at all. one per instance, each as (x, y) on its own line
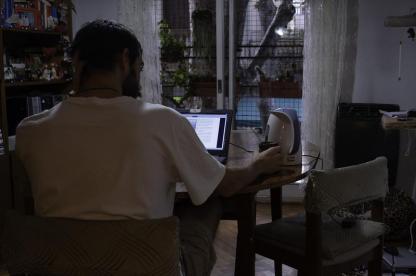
(98, 43)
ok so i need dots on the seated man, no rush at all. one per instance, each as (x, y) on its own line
(102, 154)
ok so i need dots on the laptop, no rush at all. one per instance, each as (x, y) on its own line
(213, 129)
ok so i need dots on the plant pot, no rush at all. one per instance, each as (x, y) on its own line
(204, 88)
(279, 89)
(208, 88)
(170, 66)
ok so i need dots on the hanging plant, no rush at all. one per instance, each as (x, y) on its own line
(171, 49)
(203, 34)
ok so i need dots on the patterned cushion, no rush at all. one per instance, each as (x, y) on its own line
(290, 233)
(57, 246)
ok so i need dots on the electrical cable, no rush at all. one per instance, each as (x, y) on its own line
(303, 164)
(412, 241)
(257, 134)
(242, 148)
(316, 157)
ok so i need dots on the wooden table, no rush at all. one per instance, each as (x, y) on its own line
(409, 125)
(242, 207)
(396, 123)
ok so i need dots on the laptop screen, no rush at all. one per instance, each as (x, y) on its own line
(212, 128)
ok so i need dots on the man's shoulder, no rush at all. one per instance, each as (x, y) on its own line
(37, 119)
(160, 112)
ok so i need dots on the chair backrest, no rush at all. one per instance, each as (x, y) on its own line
(346, 186)
(57, 246)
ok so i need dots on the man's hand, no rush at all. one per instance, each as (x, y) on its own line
(235, 179)
(268, 161)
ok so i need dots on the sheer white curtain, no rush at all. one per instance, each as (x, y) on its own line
(143, 17)
(329, 68)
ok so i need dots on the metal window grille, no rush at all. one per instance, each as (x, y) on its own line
(280, 57)
(258, 60)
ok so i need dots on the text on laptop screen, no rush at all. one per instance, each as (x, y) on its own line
(210, 129)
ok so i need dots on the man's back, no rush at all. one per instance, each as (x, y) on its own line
(93, 158)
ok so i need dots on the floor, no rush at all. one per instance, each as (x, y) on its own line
(226, 241)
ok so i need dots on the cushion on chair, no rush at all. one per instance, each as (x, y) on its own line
(57, 246)
(290, 234)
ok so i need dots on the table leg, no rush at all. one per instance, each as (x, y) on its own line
(276, 203)
(246, 219)
(276, 208)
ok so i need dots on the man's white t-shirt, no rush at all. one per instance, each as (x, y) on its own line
(95, 158)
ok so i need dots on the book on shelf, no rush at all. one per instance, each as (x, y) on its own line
(38, 104)
(34, 15)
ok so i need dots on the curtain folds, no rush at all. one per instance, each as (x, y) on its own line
(142, 17)
(329, 68)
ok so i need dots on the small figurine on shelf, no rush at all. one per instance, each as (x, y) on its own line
(36, 67)
(8, 73)
(37, 73)
(46, 73)
(28, 73)
(54, 73)
(24, 21)
(13, 20)
(51, 23)
(19, 71)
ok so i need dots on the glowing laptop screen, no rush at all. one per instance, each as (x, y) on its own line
(210, 128)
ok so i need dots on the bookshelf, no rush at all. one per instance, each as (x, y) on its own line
(18, 40)
(22, 47)
(36, 72)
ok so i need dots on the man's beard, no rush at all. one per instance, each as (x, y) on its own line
(131, 86)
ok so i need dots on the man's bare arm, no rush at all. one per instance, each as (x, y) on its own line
(236, 179)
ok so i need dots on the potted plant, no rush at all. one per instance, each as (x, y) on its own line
(171, 49)
(193, 85)
(178, 78)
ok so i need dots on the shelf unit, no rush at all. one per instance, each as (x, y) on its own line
(35, 83)
(15, 39)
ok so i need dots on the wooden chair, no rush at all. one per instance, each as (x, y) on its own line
(320, 243)
(57, 246)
